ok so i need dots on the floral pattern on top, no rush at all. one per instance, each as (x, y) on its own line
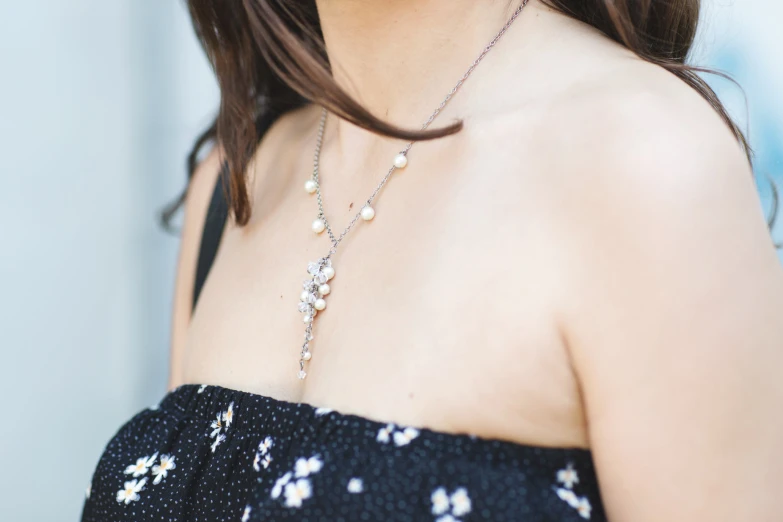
(449, 507)
(295, 485)
(161, 470)
(216, 426)
(228, 415)
(310, 463)
(568, 477)
(130, 493)
(218, 441)
(263, 458)
(306, 467)
(141, 467)
(220, 424)
(401, 437)
(355, 485)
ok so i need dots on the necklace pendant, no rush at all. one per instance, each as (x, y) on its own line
(312, 301)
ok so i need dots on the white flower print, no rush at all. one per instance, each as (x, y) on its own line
(584, 508)
(568, 476)
(266, 461)
(460, 502)
(440, 501)
(446, 518)
(216, 426)
(305, 467)
(202, 388)
(450, 506)
(228, 415)
(141, 467)
(218, 441)
(246, 514)
(401, 438)
(569, 496)
(265, 445)
(385, 433)
(355, 485)
(322, 411)
(282, 481)
(581, 504)
(259, 461)
(162, 470)
(296, 492)
(88, 491)
(131, 491)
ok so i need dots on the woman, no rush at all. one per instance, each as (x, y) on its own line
(566, 280)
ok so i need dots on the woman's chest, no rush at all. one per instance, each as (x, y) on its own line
(441, 312)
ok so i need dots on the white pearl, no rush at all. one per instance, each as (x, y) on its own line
(324, 289)
(306, 319)
(400, 160)
(320, 304)
(328, 272)
(307, 356)
(368, 213)
(304, 295)
(310, 186)
(319, 226)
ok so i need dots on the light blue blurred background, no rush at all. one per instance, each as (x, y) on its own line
(100, 101)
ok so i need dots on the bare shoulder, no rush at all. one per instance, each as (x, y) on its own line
(674, 292)
(647, 153)
(626, 140)
(652, 183)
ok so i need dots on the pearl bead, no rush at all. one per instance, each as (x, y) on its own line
(310, 186)
(368, 213)
(306, 319)
(324, 289)
(400, 160)
(319, 226)
(307, 356)
(320, 304)
(328, 272)
(304, 295)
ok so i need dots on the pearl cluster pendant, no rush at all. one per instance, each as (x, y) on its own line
(312, 301)
(317, 287)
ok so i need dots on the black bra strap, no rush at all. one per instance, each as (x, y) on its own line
(217, 215)
(215, 222)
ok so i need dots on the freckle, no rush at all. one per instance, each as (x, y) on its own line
(350, 206)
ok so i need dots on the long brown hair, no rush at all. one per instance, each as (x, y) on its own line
(269, 57)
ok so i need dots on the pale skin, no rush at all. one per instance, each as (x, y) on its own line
(585, 264)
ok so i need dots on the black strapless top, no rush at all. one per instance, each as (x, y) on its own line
(211, 454)
(208, 453)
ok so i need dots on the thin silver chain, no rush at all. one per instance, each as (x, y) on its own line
(315, 288)
(322, 124)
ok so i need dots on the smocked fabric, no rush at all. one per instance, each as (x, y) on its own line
(207, 453)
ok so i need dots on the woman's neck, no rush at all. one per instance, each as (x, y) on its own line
(399, 58)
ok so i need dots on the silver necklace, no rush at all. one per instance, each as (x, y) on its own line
(316, 288)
